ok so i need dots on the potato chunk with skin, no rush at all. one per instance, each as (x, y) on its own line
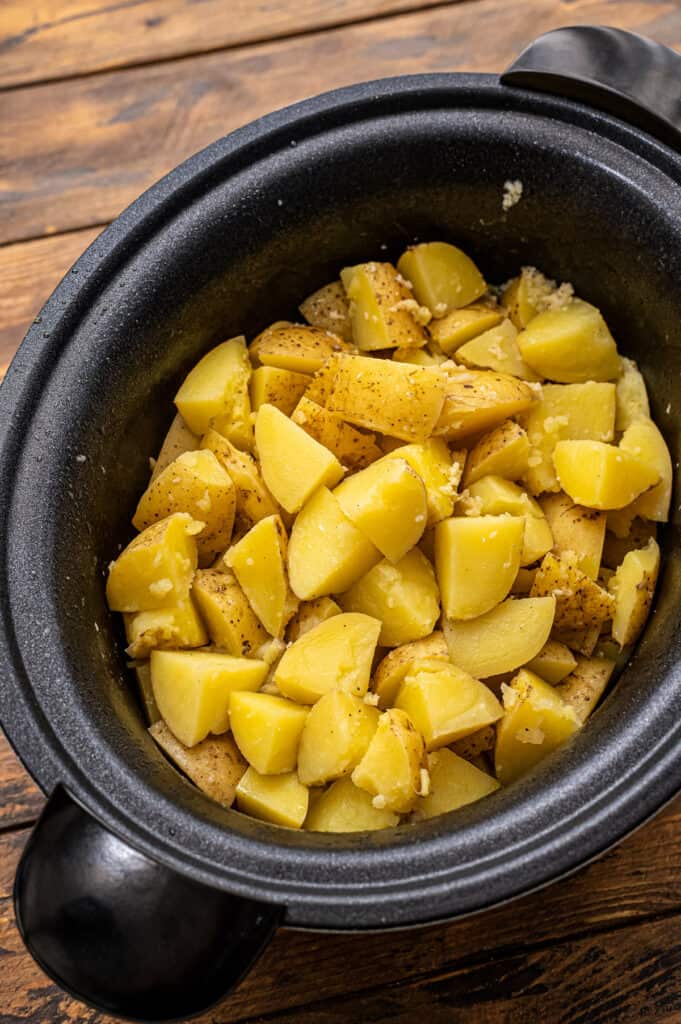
(391, 767)
(281, 388)
(292, 463)
(633, 586)
(502, 452)
(231, 622)
(462, 325)
(475, 744)
(335, 737)
(478, 400)
(585, 685)
(631, 396)
(193, 688)
(602, 476)
(570, 345)
(345, 808)
(492, 495)
(509, 636)
(259, 564)
(214, 765)
(156, 568)
(267, 730)
(311, 614)
(279, 799)
(439, 471)
(175, 627)
(217, 390)
(644, 441)
(295, 347)
(583, 641)
(353, 449)
(554, 662)
(328, 308)
(454, 783)
(497, 349)
(391, 671)
(536, 721)
(178, 440)
(445, 703)
(195, 483)
(253, 501)
(580, 602)
(379, 308)
(387, 502)
(443, 277)
(476, 561)
(404, 597)
(575, 529)
(335, 655)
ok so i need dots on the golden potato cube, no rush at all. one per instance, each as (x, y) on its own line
(387, 502)
(193, 688)
(497, 349)
(570, 345)
(295, 347)
(519, 298)
(311, 614)
(326, 552)
(142, 671)
(602, 476)
(644, 441)
(279, 799)
(501, 452)
(616, 547)
(398, 399)
(156, 568)
(380, 308)
(335, 655)
(585, 685)
(281, 388)
(536, 721)
(404, 597)
(503, 639)
(178, 440)
(417, 356)
(345, 808)
(328, 308)
(335, 737)
(214, 765)
(353, 449)
(446, 703)
(195, 483)
(575, 529)
(215, 393)
(554, 662)
(321, 386)
(398, 663)
(633, 586)
(462, 325)
(443, 277)
(631, 396)
(231, 622)
(179, 626)
(454, 783)
(293, 464)
(267, 730)
(259, 564)
(494, 496)
(391, 767)
(476, 560)
(478, 400)
(439, 471)
(253, 501)
(580, 602)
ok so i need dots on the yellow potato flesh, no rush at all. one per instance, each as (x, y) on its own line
(418, 356)
(279, 799)
(193, 688)
(353, 449)
(377, 308)
(335, 655)
(462, 325)
(178, 440)
(215, 393)
(267, 730)
(633, 586)
(328, 309)
(295, 347)
(497, 349)
(156, 568)
(398, 663)
(478, 400)
(575, 529)
(231, 622)
(443, 277)
(454, 783)
(554, 662)
(311, 614)
(391, 767)
(335, 737)
(494, 496)
(601, 476)
(214, 765)
(644, 441)
(433, 463)
(585, 685)
(445, 703)
(570, 345)
(259, 564)
(175, 627)
(519, 300)
(502, 452)
(281, 388)
(503, 639)
(345, 808)
(253, 501)
(476, 560)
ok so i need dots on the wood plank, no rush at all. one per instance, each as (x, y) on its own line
(79, 151)
(42, 42)
(20, 798)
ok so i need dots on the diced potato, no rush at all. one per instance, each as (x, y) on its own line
(492, 495)
(295, 347)
(380, 308)
(326, 552)
(156, 568)
(570, 345)
(554, 662)
(631, 396)
(475, 744)
(476, 560)
(279, 799)
(267, 730)
(531, 293)
(536, 721)
(398, 663)
(353, 449)
(142, 672)
(462, 325)
(615, 547)
(586, 684)
(583, 641)
(387, 502)
(322, 382)
(446, 703)
(644, 441)
(417, 356)
(311, 614)
(232, 623)
(335, 737)
(391, 767)
(215, 393)
(522, 584)
(259, 564)
(292, 463)
(502, 452)
(345, 808)
(193, 689)
(253, 501)
(174, 627)
(580, 602)
(509, 636)
(575, 529)
(328, 309)
(443, 277)
(214, 765)
(478, 400)
(178, 440)
(195, 483)
(335, 655)
(438, 470)
(398, 399)
(497, 349)
(281, 388)
(454, 783)
(633, 586)
(600, 475)
(571, 412)
(404, 597)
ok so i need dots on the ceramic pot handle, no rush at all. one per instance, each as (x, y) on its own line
(625, 74)
(123, 933)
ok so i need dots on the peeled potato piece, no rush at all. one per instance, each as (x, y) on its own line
(503, 639)
(380, 308)
(633, 586)
(259, 564)
(462, 325)
(156, 568)
(267, 730)
(391, 767)
(644, 441)
(454, 783)
(602, 476)
(335, 737)
(494, 496)
(502, 452)
(445, 703)
(443, 277)
(554, 662)
(570, 345)
(497, 349)
(476, 561)
(440, 471)
(178, 440)
(390, 672)
(281, 388)
(279, 799)
(179, 626)
(345, 808)
(215, 393)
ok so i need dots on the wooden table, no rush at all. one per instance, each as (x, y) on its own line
(98, 100)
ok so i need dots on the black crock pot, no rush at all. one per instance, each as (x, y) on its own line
(136, 892)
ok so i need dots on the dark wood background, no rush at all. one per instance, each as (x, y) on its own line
(99, 98)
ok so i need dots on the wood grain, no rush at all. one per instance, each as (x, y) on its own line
(20, 799)
(79, 151)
